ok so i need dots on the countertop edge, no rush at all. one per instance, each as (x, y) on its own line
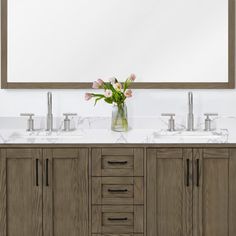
(143, 145)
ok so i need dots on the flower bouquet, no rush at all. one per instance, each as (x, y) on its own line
(114, 93)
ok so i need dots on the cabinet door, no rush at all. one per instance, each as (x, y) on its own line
(20, 192)
(65, 192)
(215, 192)
(169, 192)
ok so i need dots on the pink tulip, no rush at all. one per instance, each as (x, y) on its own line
(128, 93)
(88, 96)
(132, 77)
(108, 93)
(100, 82)
(95, 85)
(117, 86)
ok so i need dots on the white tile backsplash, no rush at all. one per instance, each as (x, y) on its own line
(145, 103)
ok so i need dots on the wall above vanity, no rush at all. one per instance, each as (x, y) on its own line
(68, 44)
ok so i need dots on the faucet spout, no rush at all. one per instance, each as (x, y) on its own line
(49, 114)
(190, 118)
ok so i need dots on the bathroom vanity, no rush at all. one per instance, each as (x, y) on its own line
(118, 189)
(94, 182)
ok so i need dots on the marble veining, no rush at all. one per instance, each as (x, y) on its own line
(97, 130)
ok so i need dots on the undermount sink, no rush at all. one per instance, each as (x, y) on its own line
(198, 136)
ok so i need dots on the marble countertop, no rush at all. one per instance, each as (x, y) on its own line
(91, 130)
(106, 136)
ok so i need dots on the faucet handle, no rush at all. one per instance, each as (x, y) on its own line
(171, 122)
(27, 114)
(210, 114)
(67, 120)
(69, 114)
(30, 121)
(208, 121)
(168, 114)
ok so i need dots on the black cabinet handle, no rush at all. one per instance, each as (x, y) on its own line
(187, 178)
(198, 172)
(37, 172)
(117, 219)
(47, 172)
(117, 162)
(117, 190)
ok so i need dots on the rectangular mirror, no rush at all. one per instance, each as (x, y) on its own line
(70, 43)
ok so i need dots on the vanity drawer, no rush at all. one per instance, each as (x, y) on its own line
(117, 190)
(117, 219)
(120, 219)
(117, 162)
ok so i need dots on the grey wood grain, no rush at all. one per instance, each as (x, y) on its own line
(133, 194)
(232, 192)
(101, 223)
(117, 162)
(213, 211)
(3, 203)
(66, 198)
(21, 208)
(167, 197)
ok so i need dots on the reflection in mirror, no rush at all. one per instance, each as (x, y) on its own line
(62, 42)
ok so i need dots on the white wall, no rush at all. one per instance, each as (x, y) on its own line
(144, 102)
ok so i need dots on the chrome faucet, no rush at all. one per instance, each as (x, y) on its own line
(49, 115)
(190, 118)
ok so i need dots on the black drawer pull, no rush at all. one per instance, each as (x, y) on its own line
(187, 179)
(47, 184)
(198, 174)
(117, 190)
(117, 162)
(117, 219)
(37, 172)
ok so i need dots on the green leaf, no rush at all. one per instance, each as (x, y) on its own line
(111, 88)
(98, 95)
(97, 99)
(117, 97)
(127, 84)
(109, 100)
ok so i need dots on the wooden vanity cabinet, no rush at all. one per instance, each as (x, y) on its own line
(169, 192)
(191, 192)
(65, 192)
(110, 191)
(117, 191)
(214, 192)
(21, 192)
(44, 192)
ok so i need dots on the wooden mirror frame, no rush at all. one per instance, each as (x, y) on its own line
(149, 85)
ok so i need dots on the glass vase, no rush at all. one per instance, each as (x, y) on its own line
(119, 120)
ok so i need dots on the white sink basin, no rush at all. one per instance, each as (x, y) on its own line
(200, 136)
